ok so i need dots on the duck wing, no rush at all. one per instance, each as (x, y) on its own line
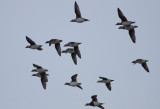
(44, 79)
(58, 48)
(121, 16)
(76, 49)
(74, 78)
(144, 65)
(94, 98)
(108, 86)
(30, 41)
(37, 66)
(74, 58)
(132, 35)
(103, 78)
(77, 10)
(100, 106)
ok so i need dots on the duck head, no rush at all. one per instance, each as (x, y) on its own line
(118, 23)
(73, 20)
(34, 70)
(99, 81)
(27, 46)
(134, 62)
(121, 27)
(88, 104)
(64, 51)
(66, 84)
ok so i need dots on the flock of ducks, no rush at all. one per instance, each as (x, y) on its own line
(74, 51)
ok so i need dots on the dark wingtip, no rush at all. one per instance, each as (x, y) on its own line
(59, 54)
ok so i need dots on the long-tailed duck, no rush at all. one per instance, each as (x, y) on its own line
(106, 81)
(43, 77)
(33, 45)
(143, 62)
(74, 82)
(39, 69)
(73, 54)
(78, 18)
(95, 102)
(76, 48)
(57, 44)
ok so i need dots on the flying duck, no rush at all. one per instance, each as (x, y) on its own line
(39, 69)
(131, 31)
(43, 77)
(76, 48)
(127, 25)
(78, 18)
(106, 81)
(74, 82)
(73, 54)
(124, 20)
(57, 44)
(143, 62)
(33, 45)
(95, 102)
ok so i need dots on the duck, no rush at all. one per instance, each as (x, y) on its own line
(39, 69)
(106, 81)
(124, 20)
(76, 48)
(127, 25)
(43, 77)
(95, 102)
(78, 18)
(57, 45)
(131, 31)
(74, 82)
(73, 54)
(143, 62)
(33, 45)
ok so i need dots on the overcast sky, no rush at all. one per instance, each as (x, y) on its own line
(106, 51)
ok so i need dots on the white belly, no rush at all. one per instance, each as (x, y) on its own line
(73, 84)
(40, 70)
(107, 81)
(126, 23)
(129, 27)
(35, 46)
(79, 20)
(96, 103)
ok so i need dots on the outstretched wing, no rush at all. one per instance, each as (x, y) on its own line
(77, 10)
(58, 48)
(132, 35)
(37, 66)
(100, 106)
(121, 16)
(79, 87)
(76, 49)
(74, 78)
(94, 98)
(30, 41)
(44, 79)
(74, 58)
(103, 78)
(144, 65)
(108, 86)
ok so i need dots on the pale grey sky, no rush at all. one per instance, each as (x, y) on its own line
(106, 51)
